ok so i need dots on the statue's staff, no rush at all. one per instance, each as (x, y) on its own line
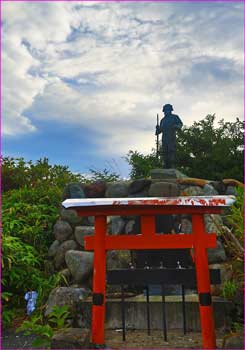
(157, 137)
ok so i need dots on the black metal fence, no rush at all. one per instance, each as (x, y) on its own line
(144, 277)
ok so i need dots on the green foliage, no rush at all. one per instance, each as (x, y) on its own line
(7, 317)
(58, 316)
(28, 217)
(17, 173)
(47, 285)
(30, 205)
(201, 149)
(30, 214)
(233, 289)
(229, 289)
(45, 331)
(103, 175)
(236, 215)
(19, 262)
(237, 327)
(141, 165)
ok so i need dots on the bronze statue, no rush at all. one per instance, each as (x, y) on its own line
(168, 126)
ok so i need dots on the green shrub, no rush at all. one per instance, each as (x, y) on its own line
(141, 165)
(236, 217)
(30, 207)
(18, 173)
(44, 332)
(103, 175)
(229, 289)
(30, 215)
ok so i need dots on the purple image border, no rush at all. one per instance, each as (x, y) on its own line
(220, 1)
(110, 1)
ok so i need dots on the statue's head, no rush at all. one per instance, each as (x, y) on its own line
(167, 109)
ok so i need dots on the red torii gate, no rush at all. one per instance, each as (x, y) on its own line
(147, 208)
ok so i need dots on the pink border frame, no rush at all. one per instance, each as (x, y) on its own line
(188, 1)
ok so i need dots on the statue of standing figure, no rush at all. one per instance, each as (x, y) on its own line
(169, 124)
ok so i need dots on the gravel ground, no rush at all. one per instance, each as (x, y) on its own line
(140, 340)
(134, 339)
(11, 340)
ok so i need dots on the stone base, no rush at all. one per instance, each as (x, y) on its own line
(166, 174)
(135, 312)
(234, 341)
(71, 338)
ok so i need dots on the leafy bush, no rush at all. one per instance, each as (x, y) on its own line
(30, 215)
(18, 173)
(236, 216)
(233, 237)
(201, 148)
(103, 175)
(31, 201)
(44, 332)
(30, 206)
(28, 218)
(141, 165)
(229, 289)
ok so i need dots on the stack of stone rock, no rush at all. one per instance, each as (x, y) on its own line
(67, 251)
(67, 255)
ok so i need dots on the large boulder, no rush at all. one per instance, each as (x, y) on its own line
(186, 225)
(59, 259)
(209, 190)
(166, 174)
(117, 189)
(90, 220)
(213, 223)
(192, 191)
(142, 194)
(226, 274)
(217, 255)
(73, 190)
(219, 186)
(117, 225)
(69, 296)
(70, 215)
(81, 232)
(129, 228)
(139, 186)
(80, 264)
(234, 341)
(231, 191)
(163, 189)
(95, 190)
(62, 230)
(116, 259)
(49, 268)
(53, 248)
(71, 338)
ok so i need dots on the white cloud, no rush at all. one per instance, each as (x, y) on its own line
(111, 66)
(19, 88)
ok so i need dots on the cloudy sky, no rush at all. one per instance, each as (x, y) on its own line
(83, 81)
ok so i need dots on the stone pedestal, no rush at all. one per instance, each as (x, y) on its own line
(71, 338)
(166, 174)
